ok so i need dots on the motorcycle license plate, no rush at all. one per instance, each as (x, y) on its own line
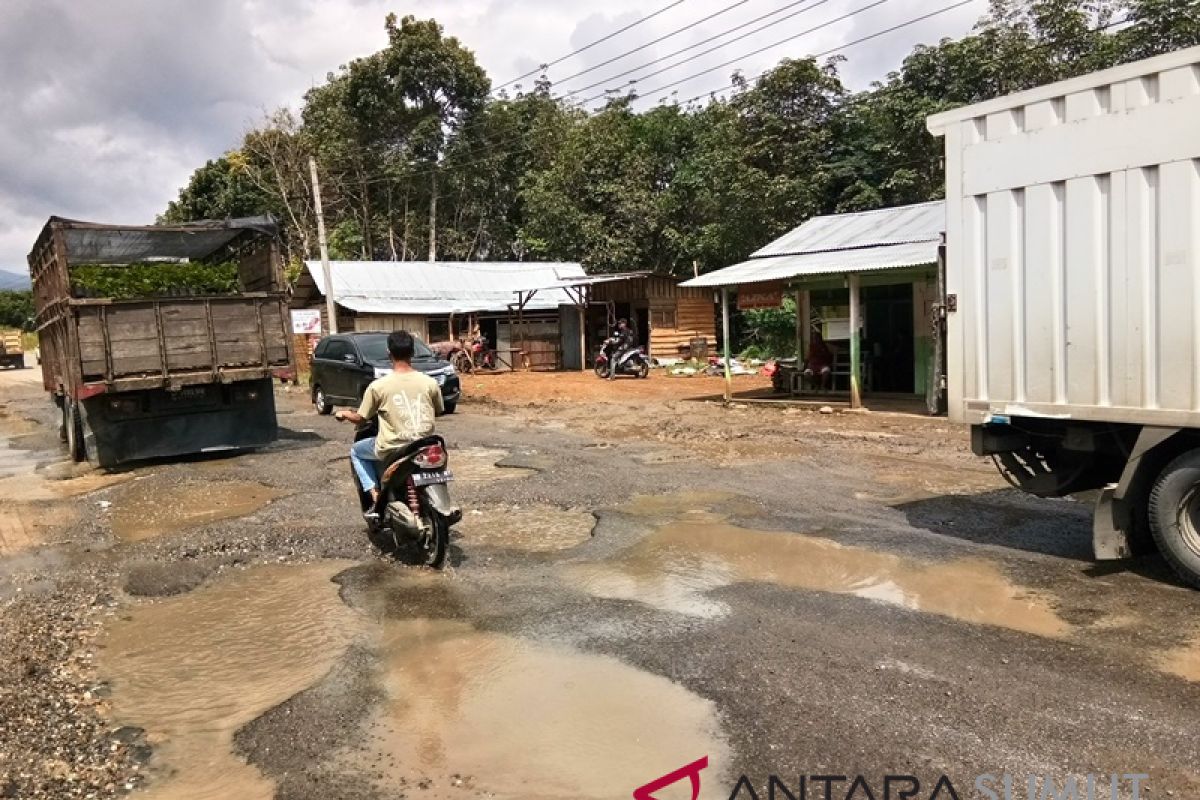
(430, 478)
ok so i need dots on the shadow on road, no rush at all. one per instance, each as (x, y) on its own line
(1007, 518)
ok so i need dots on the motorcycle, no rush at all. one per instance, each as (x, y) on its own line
(633, 362)
(414, 502)
(482, 356)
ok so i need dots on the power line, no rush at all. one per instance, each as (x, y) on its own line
(722, 65)
(864, 96)
(868, 94)
(817, 55)
(703, 42)
(525, 147)
(590, 45)
(663, 38)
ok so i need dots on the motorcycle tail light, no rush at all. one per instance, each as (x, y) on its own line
(431, 457)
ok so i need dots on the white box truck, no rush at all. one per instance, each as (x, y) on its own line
(1072, 300)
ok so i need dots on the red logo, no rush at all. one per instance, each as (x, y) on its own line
(691, 770)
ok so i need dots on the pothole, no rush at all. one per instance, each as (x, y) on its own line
(674, 566)
(478, 714)
(148, 508)
(1183, 662)
(539, 528)
(672, 504)
(26, 525)
(193, 669)
(479, 464)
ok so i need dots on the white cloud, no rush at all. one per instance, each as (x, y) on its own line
(109, 107)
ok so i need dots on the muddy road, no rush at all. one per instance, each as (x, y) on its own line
(638, 582)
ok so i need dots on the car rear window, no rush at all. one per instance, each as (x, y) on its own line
(374, 348)
(336, 349)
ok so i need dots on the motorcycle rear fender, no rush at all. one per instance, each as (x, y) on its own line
(437, 495)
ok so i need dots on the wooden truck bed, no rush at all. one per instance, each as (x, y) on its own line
(139, 344)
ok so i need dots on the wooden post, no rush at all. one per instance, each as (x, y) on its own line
(934, 395)
(726, 345)
(323, 243)
(855, 348)
(803, 323)
(584, 294)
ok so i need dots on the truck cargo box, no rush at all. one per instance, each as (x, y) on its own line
(1073, 248)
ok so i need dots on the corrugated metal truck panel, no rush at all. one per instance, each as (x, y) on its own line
(1073, 248)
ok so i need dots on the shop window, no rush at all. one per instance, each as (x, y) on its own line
(662, 318)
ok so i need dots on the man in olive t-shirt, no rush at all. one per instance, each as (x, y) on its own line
(405, 402)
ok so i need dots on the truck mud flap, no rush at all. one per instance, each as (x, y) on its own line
(239, 426)
(1109, 542)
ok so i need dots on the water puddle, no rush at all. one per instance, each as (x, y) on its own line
(531, 528)
(30, 484)
(673, 504)
(476, 714)
(26, 525)
(674, 566)
(149, 509)
(193, 669)
(1183, 662)
(479, 464)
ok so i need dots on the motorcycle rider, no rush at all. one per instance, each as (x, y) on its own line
(623, 342)
(406, 402)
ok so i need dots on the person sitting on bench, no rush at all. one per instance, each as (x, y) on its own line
(818, 364)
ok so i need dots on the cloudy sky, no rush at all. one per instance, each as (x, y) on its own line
(108, 107)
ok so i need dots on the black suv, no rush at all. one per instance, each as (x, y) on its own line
(343, 365)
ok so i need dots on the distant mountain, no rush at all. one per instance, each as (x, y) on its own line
(14, 281)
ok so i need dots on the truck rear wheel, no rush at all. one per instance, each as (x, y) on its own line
(1175, 515)
(73, 423)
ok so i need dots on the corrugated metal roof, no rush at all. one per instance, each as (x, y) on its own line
(779, 268)
(922, 222)
(611, 277)
(444, 287)
(887, 238)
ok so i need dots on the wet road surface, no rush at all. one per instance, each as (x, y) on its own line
(614, 610)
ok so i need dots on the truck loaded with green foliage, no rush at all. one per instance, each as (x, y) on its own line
(154, 279)
(169, 355)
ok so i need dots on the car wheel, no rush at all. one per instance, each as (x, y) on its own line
(322, 403)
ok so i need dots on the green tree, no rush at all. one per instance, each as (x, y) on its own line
(215, 191)
(16, 310)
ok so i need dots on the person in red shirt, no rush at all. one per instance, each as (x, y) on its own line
(818, 364)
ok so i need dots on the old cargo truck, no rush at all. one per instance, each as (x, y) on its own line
(12, 350)
(1073, 295)
(161, 340)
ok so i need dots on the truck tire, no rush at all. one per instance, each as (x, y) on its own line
(74, 425)
(1175, 515)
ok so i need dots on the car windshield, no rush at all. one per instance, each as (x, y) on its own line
(374, 348)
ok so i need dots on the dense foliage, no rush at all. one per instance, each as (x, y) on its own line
(16, 310)
(135, 281)
(418, 158)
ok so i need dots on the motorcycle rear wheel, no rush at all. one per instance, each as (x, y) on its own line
(642, 370)
(463, 362)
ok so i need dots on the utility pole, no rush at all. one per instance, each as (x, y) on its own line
(330, 305)
(433, 201)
